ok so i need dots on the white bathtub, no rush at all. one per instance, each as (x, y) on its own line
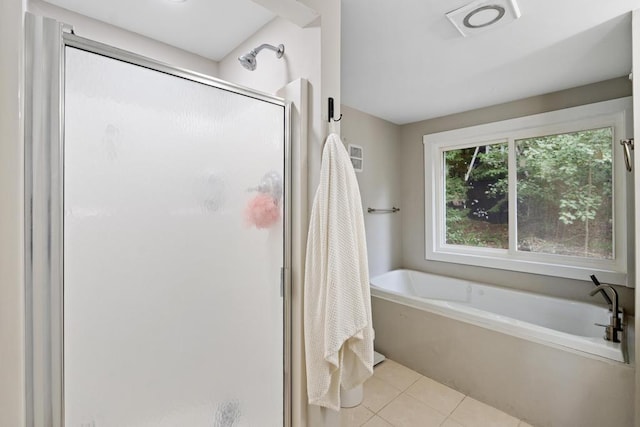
(540, 359)
(552, 321)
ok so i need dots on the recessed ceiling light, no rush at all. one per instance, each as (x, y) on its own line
(479, 15)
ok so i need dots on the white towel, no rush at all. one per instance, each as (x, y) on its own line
(337, 301)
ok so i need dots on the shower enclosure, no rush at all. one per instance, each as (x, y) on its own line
(154, 297)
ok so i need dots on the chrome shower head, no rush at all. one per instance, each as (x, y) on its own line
(248, 60)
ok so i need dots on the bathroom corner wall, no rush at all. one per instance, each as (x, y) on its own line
(12, 345)
(311, 53)
(105, 33)
(412, 184)
(379, 185)
(301, 60)
(301, 57)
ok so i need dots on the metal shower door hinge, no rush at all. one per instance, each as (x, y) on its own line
(628, 146)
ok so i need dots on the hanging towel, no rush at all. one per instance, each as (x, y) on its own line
(337, 301)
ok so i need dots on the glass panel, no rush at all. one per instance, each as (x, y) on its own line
(565, 194)
(476, 184)
(172, 307)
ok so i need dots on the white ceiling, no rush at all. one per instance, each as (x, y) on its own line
(402, 60)
(209, 28)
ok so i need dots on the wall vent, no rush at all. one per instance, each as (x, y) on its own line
(356, 153)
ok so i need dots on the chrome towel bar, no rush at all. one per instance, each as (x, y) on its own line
(392, 210)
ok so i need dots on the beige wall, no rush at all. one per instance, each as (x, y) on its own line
(412, 184)
(330, 20)
(11, 217)
(379, 184)
(330, 23)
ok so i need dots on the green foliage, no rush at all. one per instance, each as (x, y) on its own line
(494, 167)
(564, 190)
(461, 230)
(573, 170)
(456, 231)
(457, 164)
(488, 163)
(456, 190)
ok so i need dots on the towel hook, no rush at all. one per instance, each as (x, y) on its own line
(331, 112)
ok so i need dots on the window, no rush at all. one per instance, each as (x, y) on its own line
(543, 194)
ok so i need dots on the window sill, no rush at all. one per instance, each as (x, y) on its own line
(498, 259)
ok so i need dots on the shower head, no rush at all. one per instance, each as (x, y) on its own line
(248, 60)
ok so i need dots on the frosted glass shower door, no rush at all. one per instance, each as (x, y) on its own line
(173, 314)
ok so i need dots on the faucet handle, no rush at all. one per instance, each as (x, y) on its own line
(604, 326)
(610, 332)
(616, 326)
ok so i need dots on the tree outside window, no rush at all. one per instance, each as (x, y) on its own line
(564, 194)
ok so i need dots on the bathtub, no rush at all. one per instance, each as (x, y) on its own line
(538, 358)
(543, 319)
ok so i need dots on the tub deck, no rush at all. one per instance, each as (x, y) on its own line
(499, 359)
(555, 321)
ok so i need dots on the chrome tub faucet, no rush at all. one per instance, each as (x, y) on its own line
(615, 324)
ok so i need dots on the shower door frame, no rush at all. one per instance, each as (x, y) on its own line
(45, 43)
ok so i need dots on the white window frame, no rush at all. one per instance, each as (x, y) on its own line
(616, 114)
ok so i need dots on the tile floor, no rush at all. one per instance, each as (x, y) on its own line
(396, 396)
